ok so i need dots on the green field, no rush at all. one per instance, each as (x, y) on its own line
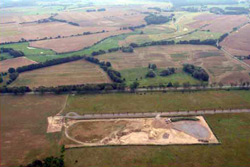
(201, 35)
(29, 51)
(4, 56)
(232, 130)
(157, 102)
(138, 74)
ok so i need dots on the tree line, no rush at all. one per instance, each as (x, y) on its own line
(48, 63)
(12, 52)
(197, 72)
(115, 76)
(229, 10)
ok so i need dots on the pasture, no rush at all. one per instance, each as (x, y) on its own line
(14, 63)
(73, 73)
(138, 74)
(157, 102)
(24, 125)
(237, 43)
(210, 58)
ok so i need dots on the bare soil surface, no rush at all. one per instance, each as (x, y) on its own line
(141, 131)
(14, 63)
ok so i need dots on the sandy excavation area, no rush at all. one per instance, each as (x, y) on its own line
(141, 131)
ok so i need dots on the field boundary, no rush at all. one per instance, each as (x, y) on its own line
(75, 116)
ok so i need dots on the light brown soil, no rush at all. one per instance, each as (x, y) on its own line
(14, 32)
(139, 131)
(219, 23)
(74, 43)
(14, 63)
(237, 43)
(73, 73)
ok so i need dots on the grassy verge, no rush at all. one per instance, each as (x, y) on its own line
(231, 129)
(152, 102)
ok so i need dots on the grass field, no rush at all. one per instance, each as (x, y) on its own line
(139, 74)
(231, 130)
(23, 128)
(29, 51)
(73, 73)
(153, 102)
(4, 56)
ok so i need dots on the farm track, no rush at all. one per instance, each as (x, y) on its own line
(230, 56)
(73, 115)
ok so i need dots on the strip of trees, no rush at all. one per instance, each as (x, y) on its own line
(197, 72)
(229, 10)
(48, 63)
(12, 52)
(115, 76)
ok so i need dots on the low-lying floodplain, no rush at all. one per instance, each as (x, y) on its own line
(138, 131)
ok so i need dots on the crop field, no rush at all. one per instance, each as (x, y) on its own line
(138, 74)
(210, 58)
(38, 31)
(237, 43)
(219, 23)
(112, 17)
(74, 43)
(226, 127)
(73, 73)
(157, 102)
(23, 133)
(14, 63)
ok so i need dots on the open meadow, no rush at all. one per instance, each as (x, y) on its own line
(23, 128)
(73, 73)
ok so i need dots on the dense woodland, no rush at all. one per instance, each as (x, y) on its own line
(154, 19)
(197, 72)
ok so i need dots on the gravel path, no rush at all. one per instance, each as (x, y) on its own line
(76, 116)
